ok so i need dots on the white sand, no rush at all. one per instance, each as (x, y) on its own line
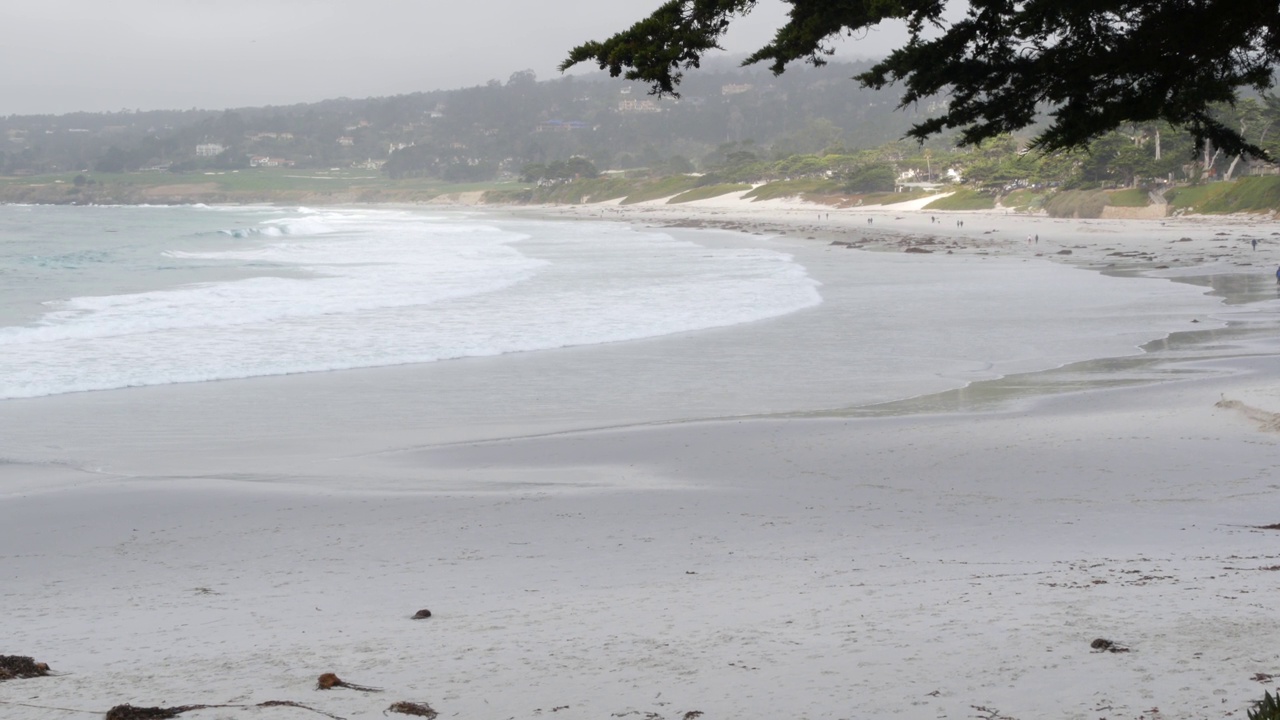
(923, 566)
(1197, 244)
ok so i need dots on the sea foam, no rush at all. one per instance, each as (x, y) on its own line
(380, 288)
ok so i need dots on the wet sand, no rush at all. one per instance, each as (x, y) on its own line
(952, 555)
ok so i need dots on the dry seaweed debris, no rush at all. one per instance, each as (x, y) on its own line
(21, 666)
(1104, 645)
(412, 708)
(329, 681)
(129, 712)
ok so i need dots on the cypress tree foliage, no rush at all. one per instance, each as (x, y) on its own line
(1092, 66)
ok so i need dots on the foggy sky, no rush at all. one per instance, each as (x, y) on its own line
(61, 56)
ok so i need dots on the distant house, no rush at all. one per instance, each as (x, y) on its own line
(644, 105)
(209, 150)
(346, 141)
(736, 89)
(265, 161)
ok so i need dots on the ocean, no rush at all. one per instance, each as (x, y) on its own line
(100, 298)
(668, 323)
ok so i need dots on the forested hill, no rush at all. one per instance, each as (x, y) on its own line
(482, 132)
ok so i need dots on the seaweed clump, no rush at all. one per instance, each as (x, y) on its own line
(21, 666)
(412, 708)
(328, 681)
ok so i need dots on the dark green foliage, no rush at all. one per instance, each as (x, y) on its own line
(573, 168)
(869, 179)
(963, 200)
(1268, 708)
(1094, 65)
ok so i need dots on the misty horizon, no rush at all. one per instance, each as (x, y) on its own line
(140, 55)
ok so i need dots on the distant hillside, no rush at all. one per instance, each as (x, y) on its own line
(478, 133)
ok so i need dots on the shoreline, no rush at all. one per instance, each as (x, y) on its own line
(199, 544)
(1162, 247)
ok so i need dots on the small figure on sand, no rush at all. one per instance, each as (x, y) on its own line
(868, 221)
(1255, 243)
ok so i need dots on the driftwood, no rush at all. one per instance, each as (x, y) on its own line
(129, 712)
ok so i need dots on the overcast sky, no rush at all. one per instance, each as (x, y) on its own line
(59, 56)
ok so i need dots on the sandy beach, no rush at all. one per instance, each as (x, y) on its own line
(587, 551)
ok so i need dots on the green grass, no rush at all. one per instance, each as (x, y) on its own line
(1194, 197)
(665, 187)
(1134, 197)
(893, 198)
(1077, 204)
(964, 199)
(795, 188)
(708, 191)
(1252, 194)
(1023, 200)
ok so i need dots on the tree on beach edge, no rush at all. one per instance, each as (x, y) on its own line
(1090, 67)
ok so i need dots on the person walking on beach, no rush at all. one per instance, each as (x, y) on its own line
(1255, 243)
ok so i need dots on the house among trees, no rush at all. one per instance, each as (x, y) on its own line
(209, 150)
(264, 161)
(642, 105)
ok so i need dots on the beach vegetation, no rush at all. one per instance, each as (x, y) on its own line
(1023, 200)
(1194, 197)
(708, 191)
(1250, 194)
(1077, 204)
(964, 199)
(893, 198)
(807, 188)
(1268, 708)
(870, 178)
(1132, 197)
(661, 188)
(572, 169)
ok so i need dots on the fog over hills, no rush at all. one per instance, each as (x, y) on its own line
(478, 132)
